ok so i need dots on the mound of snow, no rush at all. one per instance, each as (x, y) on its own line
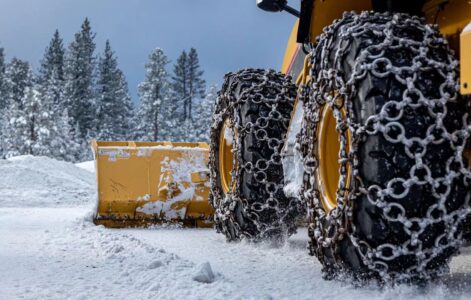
(204, 273)
(42, 181)
(87, 165)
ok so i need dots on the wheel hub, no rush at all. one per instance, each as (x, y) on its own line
(226, 156)
(328, 148)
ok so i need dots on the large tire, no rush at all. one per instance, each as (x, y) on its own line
(404, 188)
(257, 104)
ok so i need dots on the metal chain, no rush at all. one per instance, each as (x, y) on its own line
(330, 86)
(262, 88)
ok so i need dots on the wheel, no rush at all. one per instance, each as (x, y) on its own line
(384, 128)
(251, 118)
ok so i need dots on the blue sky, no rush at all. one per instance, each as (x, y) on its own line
(228, 34)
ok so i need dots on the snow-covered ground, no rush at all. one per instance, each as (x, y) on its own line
(49, 249)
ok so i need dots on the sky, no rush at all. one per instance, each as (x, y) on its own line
(228, 34)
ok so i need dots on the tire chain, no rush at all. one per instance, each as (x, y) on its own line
(225, 205)
(327, 87)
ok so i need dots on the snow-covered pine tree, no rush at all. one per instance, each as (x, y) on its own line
(18, 77)
(2, 80)
(204, 114)
(196, 84)
(13, 128)
(30, 125)
(186, 131)
(53, 59)
(170, 129)
(32, 128)
(82, 144)
(113, 101)
(50, 77)
(188, 89)
(53, 134)
(18, 83)
(40, 127)
(153, 92)
(19, 133)
(180, 85)
(126, 131)
(53, 129)
(79, 80)
(64, 146)
(2, 95)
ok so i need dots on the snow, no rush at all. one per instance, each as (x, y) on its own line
(54, 251)
(228, 136)
(87, 165)
(467, 28)
(204, 273)
(40, 181)
(292, 159)
(159, 147)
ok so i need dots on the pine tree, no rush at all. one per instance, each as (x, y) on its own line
(53, 60)
(188, 90)
(31, 129)
(81, 143)
(114, 103)
(187, 82)
(196, 84)
(180, 84)
(51, 131)
(2, 81)
(153, 92)
(203, 117)
(79, 86)
(13, 128)
(19, 134)
(170, 129)
(125, 130)
(52, 122)
(51, 73)
(18, 83)
(31, 125)
(64, 145)
(3, 96)
(18, 76)
(33, 134)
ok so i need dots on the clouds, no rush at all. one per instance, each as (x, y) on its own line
(228, 34)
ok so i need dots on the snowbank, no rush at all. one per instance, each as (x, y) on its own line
(42, 181)
(87, 166)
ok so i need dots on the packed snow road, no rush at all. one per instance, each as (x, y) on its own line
(50, 250)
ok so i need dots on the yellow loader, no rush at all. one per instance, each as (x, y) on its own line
(366, 130)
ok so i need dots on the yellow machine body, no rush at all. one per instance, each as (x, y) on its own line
(454, 20)
(452, 16)
(144, 183)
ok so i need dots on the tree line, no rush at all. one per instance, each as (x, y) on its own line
(75, 96)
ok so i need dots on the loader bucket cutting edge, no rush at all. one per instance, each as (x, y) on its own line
(145, 183)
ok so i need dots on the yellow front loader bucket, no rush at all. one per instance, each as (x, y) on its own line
(144, 183)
